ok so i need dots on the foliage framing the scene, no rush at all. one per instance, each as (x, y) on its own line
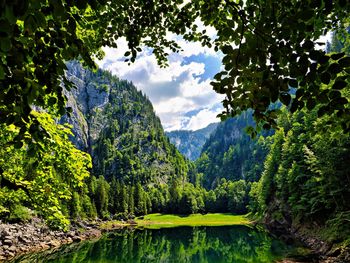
(268, 46)
(41, 180)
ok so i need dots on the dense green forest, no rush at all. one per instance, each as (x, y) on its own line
(45, 181)
(231, 153)
(306, 174)
(115, 124)
(126, 165)
(135, 170)
(299, 174)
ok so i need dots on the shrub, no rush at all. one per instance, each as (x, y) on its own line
(20, 213)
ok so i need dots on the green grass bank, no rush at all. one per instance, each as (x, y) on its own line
(169, 220)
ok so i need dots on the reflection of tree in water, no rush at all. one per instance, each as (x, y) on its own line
(185, 244)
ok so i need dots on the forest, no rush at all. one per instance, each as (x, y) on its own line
(119, 180)
(125, 167)
(77, 142)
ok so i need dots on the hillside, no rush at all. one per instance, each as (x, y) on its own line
(230, 153)
(115, 123)
(190, 143)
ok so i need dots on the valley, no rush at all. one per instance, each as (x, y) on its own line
(135, 171)
(174, 131)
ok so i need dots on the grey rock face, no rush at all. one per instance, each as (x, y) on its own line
(190, 143)
(86, 98)
(115, 123)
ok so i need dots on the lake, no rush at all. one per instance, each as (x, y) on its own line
(180, 244)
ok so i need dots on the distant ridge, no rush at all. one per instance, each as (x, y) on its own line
(190, 143)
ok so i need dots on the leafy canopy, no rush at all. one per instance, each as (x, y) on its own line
(268, 46)
(44, 179)
(270, 52)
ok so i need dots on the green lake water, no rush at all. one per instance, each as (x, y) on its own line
(180, 244)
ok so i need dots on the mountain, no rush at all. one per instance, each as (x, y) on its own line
(116, 124)
(190, 143)
(230, 153)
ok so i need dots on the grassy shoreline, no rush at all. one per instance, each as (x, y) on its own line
(157, 220)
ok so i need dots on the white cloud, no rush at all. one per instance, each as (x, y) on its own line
(323, 40)
(203, 119)
(174, 90)
(182, 87)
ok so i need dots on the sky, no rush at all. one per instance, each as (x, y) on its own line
(181, 94)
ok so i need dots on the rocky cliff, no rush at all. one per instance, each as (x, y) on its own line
(190, 143)
(116, 124)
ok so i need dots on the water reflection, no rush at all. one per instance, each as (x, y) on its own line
(182, 244)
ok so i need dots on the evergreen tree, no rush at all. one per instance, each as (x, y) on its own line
(102, 197)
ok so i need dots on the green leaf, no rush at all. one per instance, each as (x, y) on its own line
(2, 73)
(227, 32)
(335, 68)
(30, 23)
(303, 64)
(5, 44)
(325, 78)
(293, 83)
(338, 103)
(337, 56)
(62, 111)
(323, 97)
(250, 130)
(315, 55)
(299, 93)
(308, 44)
(40, 20)
(323, 59)
(339, 84)
(344, 62)
(311, 103)
(227, 49)
(52, 101)
(285, 98)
